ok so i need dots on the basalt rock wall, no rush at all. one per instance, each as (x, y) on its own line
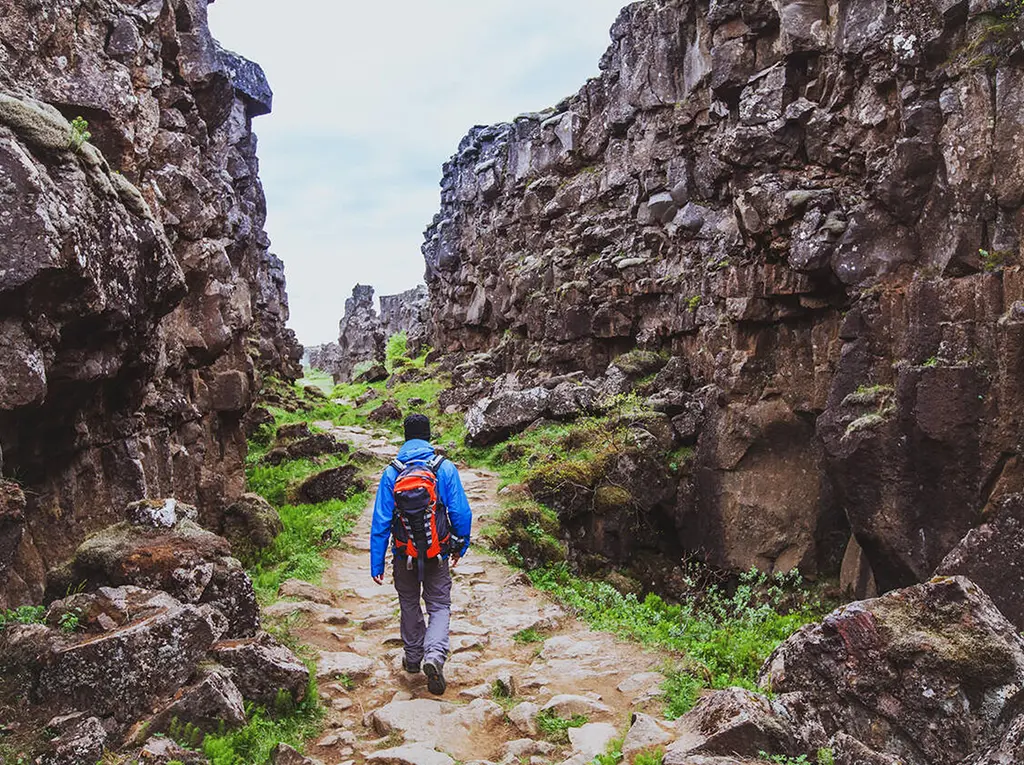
(816, 205)
(139, 305)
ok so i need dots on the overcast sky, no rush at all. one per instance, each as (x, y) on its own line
(370, 99)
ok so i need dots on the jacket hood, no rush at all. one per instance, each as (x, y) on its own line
(416, 450)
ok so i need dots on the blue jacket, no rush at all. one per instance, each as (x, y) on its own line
(449, 489)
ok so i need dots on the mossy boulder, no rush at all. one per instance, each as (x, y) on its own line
(922, 673)
(527, 535)
(250, 525)
(637, 364)
(568, 485)
(610, 499)
(188, 562)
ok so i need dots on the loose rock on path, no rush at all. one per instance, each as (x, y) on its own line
(377, 713)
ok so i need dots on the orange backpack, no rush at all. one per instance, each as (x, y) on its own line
(420, 522)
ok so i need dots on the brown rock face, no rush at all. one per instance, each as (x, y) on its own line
(927, 675)
(138, 300)
(817, 208)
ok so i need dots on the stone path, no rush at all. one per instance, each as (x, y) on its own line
(380, 714)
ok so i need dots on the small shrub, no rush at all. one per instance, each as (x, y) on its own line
(996, 260)
(69, 621)
(612, 754)
(653, 757)
(23, 615)
(79, 133)
(823, 756)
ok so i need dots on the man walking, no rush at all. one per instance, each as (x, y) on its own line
(422, 505)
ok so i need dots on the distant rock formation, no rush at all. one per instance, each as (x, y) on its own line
(816, 207)
(324, 357)
(363, 335)
(139, 305)
(360, 335)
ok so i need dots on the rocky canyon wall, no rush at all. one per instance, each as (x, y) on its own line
(139, 304)
(816, 207)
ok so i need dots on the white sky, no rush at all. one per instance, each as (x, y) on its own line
(370, 99)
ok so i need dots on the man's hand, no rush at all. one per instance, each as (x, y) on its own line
(379, 579)
(455, 560)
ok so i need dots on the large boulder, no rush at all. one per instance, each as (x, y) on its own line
(315, 445)
(386, 412)
(121, 673)
(211, 703)
(335, 483)
(261, 668)
(728, 722)
(990, 556)
(250, 524)
(82, 741)
(108, 608)
(494, 419)
(927, 675)
(186, 561)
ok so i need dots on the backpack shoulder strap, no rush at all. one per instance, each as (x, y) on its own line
(397, 464)
(435, 463)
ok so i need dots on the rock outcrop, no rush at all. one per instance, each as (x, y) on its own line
(815, 207)
(927, 675)
(360, 337)
(165, 633)
(139, 304)
(363, 335)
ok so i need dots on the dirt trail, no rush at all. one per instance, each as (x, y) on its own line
(383, 707)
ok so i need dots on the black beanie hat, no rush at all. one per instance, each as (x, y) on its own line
(417, 426)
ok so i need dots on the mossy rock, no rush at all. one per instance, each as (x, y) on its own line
(611, 499)
(526, 535)
(637, 363)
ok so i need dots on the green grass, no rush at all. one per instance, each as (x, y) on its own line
(555, 727)
(824, 756)
(654, 757)
(254, 742)
(396, 351)
(316, 378)
(275, 483)
(723, 639)
(529, 635)
(297, 552)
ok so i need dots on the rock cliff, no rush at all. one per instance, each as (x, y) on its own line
(815, 206)
(139, 305)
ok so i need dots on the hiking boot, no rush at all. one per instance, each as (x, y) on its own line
(434, 671)
(412, 667)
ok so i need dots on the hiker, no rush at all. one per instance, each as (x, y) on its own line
(422, 505)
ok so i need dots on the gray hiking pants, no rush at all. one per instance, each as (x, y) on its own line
(425, 640)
